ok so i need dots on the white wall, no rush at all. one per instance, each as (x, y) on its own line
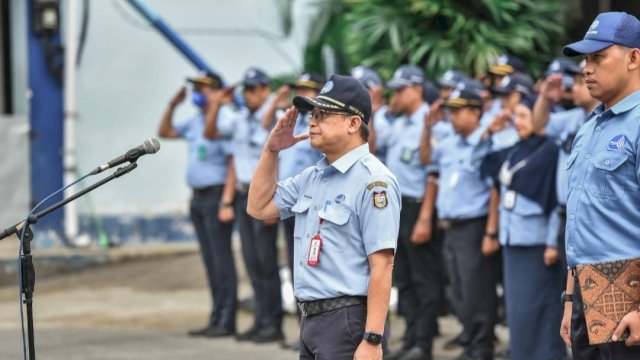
(128, 74)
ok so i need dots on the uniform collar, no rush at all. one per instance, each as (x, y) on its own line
(417, 115)
(258, 114)
(347, 160)
(626, 104)
(475, 137)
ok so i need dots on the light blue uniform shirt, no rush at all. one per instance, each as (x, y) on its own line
(503, 138)
(403, 150)
(248, 138)
(462, 193)
(382, 126)
(526, 224)
(603, 207)
(359, 200)
(561, 126)
(294, 160)
(207, 159)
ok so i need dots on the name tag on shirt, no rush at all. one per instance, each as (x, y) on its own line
(314, 251)
(453, 180)
(407, 155)
(509, 201)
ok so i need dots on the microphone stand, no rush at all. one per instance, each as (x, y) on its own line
(26, 261)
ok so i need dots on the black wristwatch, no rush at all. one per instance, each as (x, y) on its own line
(372, 338)
(566, 297)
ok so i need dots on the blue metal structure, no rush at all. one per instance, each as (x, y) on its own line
(46, 118)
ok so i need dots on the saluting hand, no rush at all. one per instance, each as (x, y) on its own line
(179, 96)
(630, 322)
(552, 88)
(283, 97)
(281, 137)
(435, 113)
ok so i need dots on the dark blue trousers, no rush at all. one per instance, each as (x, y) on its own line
(261, 260)
(215, 247)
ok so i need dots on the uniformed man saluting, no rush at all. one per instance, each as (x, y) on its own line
(347, 212)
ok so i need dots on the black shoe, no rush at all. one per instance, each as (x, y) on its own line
(201, 332)
(219, 332)
(268, 334)
(248, 335)
(291, 345)
(415, 353)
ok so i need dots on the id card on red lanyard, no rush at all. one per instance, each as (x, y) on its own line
(315, 246)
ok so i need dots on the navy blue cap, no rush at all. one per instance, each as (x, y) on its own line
(507, 64)
(310, 80)
(431, 92)
(607, 29)
(207, 78)
(519, 82)
(367, 76)
(451, 79)
(406, 75)
(463, 98)
(340, 93)
(254, 76)
(473, 85)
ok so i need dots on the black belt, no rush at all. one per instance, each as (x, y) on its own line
(204, 190)
(449, 223)
(308, 308)
(562, 210)
(411, 200)
(242, 188)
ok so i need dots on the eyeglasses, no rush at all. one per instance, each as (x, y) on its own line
(320, 115)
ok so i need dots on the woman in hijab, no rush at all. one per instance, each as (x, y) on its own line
(526, 174)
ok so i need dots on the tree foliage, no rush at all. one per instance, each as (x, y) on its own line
(436, 34)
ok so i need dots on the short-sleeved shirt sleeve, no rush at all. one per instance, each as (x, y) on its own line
(182, 127)
(380, 214)
(436, 154)
(288, 192)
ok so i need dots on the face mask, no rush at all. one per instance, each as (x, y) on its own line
(199, 99)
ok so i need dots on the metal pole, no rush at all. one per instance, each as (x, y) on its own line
(71, 226)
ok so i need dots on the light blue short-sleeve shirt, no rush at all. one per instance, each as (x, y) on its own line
(207, 159)
(462, 192)
(603, 206)
(358, 200)
(248, 139)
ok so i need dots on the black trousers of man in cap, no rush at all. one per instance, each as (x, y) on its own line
(418, 277)
(261, 260)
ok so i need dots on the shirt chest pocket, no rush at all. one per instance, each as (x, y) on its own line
(335, 227)
(610, 173)
(301, 211)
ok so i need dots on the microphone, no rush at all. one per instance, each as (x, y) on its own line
(149, 146)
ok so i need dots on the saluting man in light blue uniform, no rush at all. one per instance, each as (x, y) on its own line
(603, 207)
(347, 210)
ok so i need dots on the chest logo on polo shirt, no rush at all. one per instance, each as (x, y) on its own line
(617, 142)
(380, 199)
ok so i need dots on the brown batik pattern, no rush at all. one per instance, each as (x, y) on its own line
(609, 290)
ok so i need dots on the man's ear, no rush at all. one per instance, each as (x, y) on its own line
(633, 59)
(354, 124)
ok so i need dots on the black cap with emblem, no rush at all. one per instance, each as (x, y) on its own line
(463, 98)
(340, 93)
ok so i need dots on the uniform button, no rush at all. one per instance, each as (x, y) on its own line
(579, 187)
(572, 216)
(597, 128)
(588, 156)
(606, 162)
